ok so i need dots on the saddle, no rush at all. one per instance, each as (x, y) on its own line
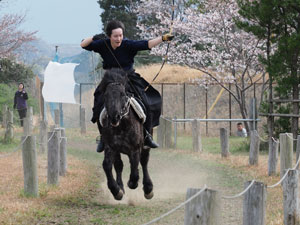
(136, 105)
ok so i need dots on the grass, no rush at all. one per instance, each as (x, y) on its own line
(237, 145)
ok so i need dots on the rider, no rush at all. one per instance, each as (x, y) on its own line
(117, 52)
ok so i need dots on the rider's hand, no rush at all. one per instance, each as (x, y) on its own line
(167, 37)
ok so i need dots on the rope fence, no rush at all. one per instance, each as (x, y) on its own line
(15, 150)
(178, 207)
(240, 194)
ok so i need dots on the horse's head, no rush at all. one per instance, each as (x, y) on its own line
(115, 98)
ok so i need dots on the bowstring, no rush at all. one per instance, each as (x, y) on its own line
(168, 46)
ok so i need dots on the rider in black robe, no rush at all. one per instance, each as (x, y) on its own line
(117, 52)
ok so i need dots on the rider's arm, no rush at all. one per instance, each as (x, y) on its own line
(156, 41)
(86, 42)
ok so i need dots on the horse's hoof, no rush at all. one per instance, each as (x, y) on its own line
(149, 196)
(119, 196)
(131, 185)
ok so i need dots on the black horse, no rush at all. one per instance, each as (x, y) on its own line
(122, 132)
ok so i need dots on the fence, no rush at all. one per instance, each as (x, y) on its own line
(201, 206)
(57, 153)
(190, 100)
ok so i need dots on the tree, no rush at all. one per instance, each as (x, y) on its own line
(208, 40)
(12, 39)
(12, 72)
(122, 11)
(283, 64)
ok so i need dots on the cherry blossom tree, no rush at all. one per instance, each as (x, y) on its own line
(208, 40)
(12, 38)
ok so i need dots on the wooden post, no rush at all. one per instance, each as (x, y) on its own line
(43, 136)
(27, 122)
(273, 157)
(291, 198)
(56, 117)
(161, 132)
(224, 136)
(168, 133)
(63, 153)
(4, 116)
(53, 157)
(286, 152)
(254, 148)
(30, 166)
(254, 205)
(82, 121)
(298, 150)
(253, 114)
(204, 209)
(9, 133)
(197, 144)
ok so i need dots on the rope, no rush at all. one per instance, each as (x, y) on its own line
(291, 136)
(284, 176)
(179, 206)
(260, 138)
(279, 182)
(240, 194)
(275, 140)
(15, 150)
(51, 136)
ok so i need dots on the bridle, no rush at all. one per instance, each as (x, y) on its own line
(125, 110)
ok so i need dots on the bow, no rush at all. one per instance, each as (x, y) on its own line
(168, 46)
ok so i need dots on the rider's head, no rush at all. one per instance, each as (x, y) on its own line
(112, 25)
(115, 30)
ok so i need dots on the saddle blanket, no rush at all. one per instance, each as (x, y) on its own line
(135, 106)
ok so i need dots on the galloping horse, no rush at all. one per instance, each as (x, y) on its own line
(122, 132)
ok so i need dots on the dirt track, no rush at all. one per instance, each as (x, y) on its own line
(172, 173)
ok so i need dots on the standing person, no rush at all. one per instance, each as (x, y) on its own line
(118, 52)
(241, 131)
(20, 102)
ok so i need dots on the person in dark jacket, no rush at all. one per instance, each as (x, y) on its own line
(20, 102)
(118, 52)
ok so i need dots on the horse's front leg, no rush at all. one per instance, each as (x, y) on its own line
(108, 161)
(119, 169)
(134, 159)
(147, 183)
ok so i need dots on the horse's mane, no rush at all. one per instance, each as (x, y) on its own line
(112, 76)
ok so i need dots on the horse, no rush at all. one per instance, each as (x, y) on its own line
(122, 132)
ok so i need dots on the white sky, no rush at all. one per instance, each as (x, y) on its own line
(58, 21)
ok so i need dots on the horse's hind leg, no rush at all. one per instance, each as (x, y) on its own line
(148, 186)
(134, 159)
(119, 168)
(114, 188)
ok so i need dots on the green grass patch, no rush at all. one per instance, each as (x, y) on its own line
(212, 144)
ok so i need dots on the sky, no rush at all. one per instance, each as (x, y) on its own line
(58, 21)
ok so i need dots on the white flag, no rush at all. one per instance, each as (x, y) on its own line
(59, 83)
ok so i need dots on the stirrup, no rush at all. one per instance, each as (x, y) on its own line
(148, 141)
